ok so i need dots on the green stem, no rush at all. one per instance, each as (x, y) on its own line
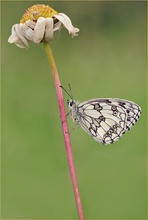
(65, 129)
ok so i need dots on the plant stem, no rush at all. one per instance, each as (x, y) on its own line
(65, 129)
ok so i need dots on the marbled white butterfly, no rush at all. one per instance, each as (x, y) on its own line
(105, 119)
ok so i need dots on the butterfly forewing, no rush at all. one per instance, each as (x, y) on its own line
(105, 119)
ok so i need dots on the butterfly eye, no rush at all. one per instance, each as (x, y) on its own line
(70, 103)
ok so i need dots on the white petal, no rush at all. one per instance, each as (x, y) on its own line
(30, 24)
(20, 44)
(67, 23)
(19, 32)
(26, 32)
(13, 29)
(49, 29)
(57, 26)
(17, 37)
(14, 37)
(39, 30)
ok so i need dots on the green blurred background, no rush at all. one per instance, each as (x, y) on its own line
(107, 59)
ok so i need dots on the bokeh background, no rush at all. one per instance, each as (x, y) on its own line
(107, 59)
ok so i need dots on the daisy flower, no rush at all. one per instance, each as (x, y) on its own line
(39, 23)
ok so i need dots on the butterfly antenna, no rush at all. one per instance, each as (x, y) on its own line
(70, 90)
(67, 92)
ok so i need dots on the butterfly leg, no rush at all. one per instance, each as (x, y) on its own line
(74, 128)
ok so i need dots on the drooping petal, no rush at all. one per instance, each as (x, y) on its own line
(58, 26)
(26, 31)
(17, 38)
(39, 30)
(49, 29)
(13, 37)
(65, 20)
(21, 44)
(30, 24)
(19, 33)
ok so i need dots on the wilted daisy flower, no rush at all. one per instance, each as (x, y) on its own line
(40, 22)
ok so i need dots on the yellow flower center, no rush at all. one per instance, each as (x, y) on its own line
(36, 11)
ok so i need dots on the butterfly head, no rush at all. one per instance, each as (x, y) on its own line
(74, 110)
(70, 103)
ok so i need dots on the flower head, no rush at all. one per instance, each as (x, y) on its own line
(39, 23)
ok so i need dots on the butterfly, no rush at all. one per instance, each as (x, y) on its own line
(105, 119)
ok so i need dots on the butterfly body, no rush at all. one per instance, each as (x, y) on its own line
(105, 119)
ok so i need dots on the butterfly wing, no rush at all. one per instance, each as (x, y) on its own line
(107, 119)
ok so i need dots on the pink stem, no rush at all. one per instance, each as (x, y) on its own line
(65, 130)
